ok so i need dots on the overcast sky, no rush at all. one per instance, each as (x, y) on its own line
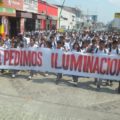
(104, 8)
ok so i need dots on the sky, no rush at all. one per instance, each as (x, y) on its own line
(105, 9)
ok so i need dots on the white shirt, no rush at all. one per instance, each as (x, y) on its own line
(27, 40)
(67, 46)
(119, 46)
(114, 51)
(7, 44)
(34, 46)
(103, 52)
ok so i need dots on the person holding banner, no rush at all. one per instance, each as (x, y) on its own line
(93, 46)
(59, 47)
(84, 46)
(19, 46)
(114, 50)
(54, 42)
(101, 50)
(6, 45)
(32, 45)
(76, 48)
(7, 42)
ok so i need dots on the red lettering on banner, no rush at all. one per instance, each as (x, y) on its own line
(65, 61)
(96, 65)
(76, 63)
(56, 62)
(39, 59)
(85, 64)
(118, 68)
(90, 61)
(6, 56)
(27, 58)
(108, 66)
(53, 60)
(21, 58)
(103, 62)
(11, 56)
(34, 58)
(17, 58)
(113, 67)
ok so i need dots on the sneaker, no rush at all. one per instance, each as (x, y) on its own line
(46, 74)
(13, 75)
(29, 78)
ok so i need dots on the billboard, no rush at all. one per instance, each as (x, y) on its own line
(116, 22)
(117, 15)
(31, 6)
(16, 4)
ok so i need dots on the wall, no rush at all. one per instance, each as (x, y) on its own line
(46, 8)
(30, 6)
(67, 24)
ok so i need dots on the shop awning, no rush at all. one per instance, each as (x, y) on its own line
(53, 17)
(39, 16)
(7, 11)
(24, 14)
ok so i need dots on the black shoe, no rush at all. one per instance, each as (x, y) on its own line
(107, 83)
(111, 83)
(118, 90)
(98, 86)
(57, 81)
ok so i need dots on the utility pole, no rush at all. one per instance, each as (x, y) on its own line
(46, 14)
(61, 11)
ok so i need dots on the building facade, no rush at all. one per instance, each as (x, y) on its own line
(67, 18)
(51, 15)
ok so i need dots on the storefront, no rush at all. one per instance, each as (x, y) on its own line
(27, 22)
(10, 23)
(40, 21)
(5, 15)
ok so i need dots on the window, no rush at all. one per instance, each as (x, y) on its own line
(31, 1)
(73, 18)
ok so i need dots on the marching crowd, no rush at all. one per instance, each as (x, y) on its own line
(83, 42)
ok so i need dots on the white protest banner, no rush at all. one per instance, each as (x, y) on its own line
(56, 61)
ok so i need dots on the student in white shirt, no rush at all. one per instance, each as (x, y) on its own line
(59, 47)
(102, 51)
(76, 48)
(32, 45)
(7, 42)
(114, 50)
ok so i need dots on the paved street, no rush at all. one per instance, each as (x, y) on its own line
(42, 99)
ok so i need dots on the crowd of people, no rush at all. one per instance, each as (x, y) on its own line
(82, 42)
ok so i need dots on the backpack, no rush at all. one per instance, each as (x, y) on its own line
(98, 49)
(117, 50)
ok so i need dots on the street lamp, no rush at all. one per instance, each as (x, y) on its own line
(61, 11)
